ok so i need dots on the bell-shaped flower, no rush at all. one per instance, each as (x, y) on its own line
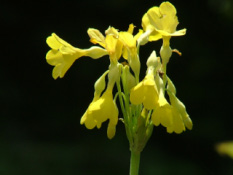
(145, 92)
(99, 86)
(172, 116)
(169, 117)
(178, 104)
(103, 109)
(62, 55)
(180, 107)
(164, 113)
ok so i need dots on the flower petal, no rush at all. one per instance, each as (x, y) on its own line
(96, 37)
(162, 115)
(137, 94)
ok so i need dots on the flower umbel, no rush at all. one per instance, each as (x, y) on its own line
(143, 103)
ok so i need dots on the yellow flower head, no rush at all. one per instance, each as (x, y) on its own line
(103, 107)
(150, 34)
(143, 103)
(164, 20)
(174, 117)
(145, 92)
(101, 110)
(179, 106)
(110, 42)
(62, 55)
(169, 117)
(100, 85)
(166, 114)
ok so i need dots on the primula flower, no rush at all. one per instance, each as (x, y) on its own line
(62, 55)
(174, 117)
(101, 110)
(179, 106)
(111, 43)
(164, 20)
(100, 85)
(148, 33)
(143, 103)
(145, 92)
(169, 117)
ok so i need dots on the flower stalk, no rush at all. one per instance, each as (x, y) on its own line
(134, 163)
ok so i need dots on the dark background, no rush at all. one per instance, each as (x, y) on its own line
(40, 132)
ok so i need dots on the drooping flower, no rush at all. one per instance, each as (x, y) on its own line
(172, 116)
(180, 107)
(146, 91)
(62, 55)
(101, 110)
(169, 117)
(99, 87)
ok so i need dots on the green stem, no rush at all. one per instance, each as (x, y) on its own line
(120, 98)
(134, 163)
(164, 75)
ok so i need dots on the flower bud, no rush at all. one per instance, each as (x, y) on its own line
(153, 60)
(165, 53)
(100, 84)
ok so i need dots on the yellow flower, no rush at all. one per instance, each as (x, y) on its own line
(145, 92)
(62, 55)
(100, 85)
(103, 107)
(110, 42)
(174, 117)
(179, 106)
(164, 20)
(150, 34)
(101, 110)
(169, 117)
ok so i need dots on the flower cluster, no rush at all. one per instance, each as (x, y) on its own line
(143, 103)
